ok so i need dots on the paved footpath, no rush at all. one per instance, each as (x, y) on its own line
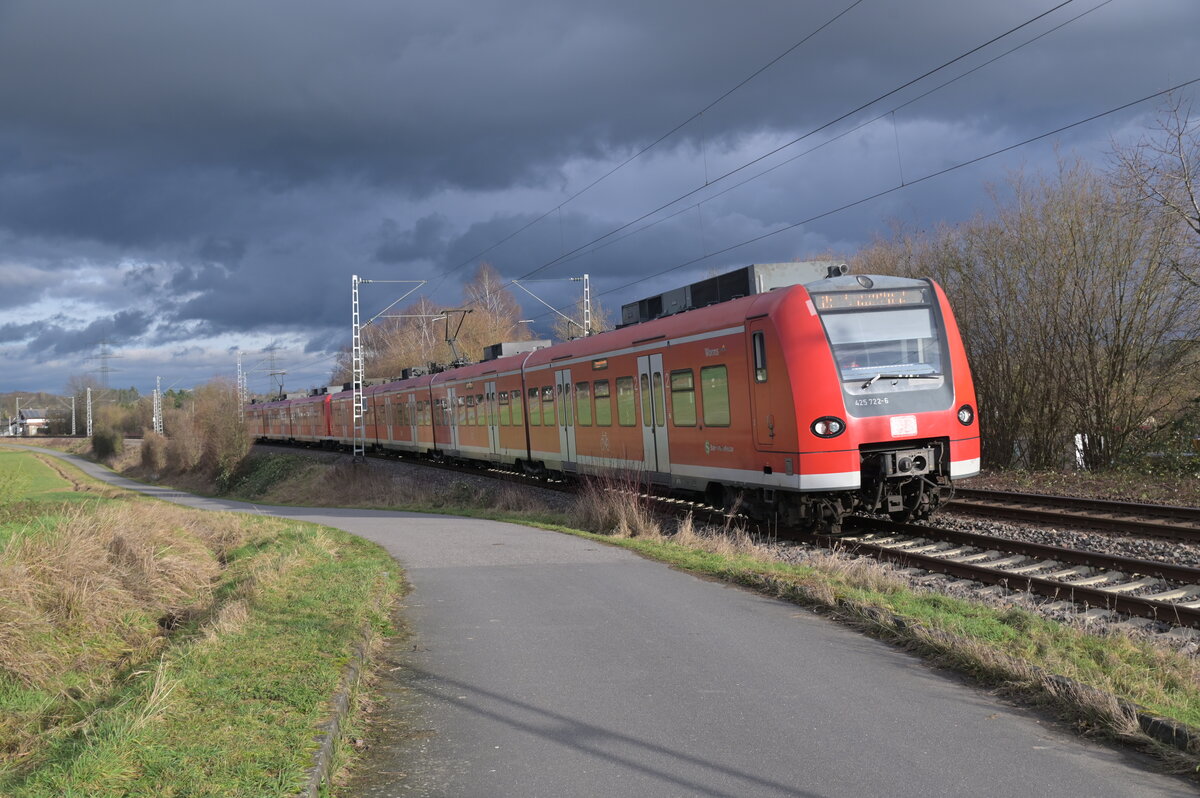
(546, 665)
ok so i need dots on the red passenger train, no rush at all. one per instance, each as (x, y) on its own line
(800, 404)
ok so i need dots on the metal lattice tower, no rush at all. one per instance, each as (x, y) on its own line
(89, 412)
(72, 416)
(158, 414)
(358, 369)
(357, 362)
(587, 306)
(241, 388)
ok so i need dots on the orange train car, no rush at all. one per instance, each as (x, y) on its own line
(803, 403)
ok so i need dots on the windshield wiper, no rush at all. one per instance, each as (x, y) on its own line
(877, 377)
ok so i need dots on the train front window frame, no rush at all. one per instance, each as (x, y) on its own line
(889, 349)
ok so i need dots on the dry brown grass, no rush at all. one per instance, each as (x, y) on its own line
(615, 505)
(94, 575)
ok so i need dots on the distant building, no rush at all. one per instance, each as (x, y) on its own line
(32, 422)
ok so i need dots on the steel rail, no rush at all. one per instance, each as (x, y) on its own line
(1166, 521)
(1108, 562)
(1080, 594)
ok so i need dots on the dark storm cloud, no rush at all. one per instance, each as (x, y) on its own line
(11, 332)
(56, 340)
(424, 241)
(480, 95)
(223, 168)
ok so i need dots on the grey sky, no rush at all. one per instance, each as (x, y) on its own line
(186, 180)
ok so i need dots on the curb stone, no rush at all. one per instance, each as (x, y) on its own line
(329, 730)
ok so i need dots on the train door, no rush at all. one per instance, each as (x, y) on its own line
(761, 401)
(654, 413)
(450, 417)
(566, 416)
(493, 418)
(412, 418)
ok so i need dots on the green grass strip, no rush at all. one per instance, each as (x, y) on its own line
(233, 714)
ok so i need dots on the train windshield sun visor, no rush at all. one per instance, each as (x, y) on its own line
(873, 345)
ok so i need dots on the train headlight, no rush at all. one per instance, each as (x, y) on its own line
(966, 414)
(828, 427)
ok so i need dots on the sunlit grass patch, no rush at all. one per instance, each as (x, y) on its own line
(146, 649)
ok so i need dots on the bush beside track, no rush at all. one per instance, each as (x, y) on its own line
(151, 650)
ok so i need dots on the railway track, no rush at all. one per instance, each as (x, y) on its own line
(1165, 521)
(1144, 588)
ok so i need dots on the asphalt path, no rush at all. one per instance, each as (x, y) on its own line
(541, 664)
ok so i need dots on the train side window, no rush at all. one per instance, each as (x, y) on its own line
(646, 400)
(760, 357)
(548, 419)
(517, 419)
(535, 407)
(505, 410)
(660, 402)
(626, 404)
(484, 410)
(471, 411)
(683, 398)
(583, 404)
(714, 394)
(603, 404)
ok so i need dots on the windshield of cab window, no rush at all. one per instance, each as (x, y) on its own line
(887, 342)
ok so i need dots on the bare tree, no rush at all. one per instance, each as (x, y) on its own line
(564, 329)
(419, 334)
(1163, 170)
(1073, 310)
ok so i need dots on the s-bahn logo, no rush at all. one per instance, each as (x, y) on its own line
(709, 448)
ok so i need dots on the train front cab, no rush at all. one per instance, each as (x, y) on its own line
(897, 422)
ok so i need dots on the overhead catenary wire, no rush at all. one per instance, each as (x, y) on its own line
(911, 183)
(798, 139)
(891, 112)
(651, 145)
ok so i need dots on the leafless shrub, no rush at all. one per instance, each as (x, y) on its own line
(153, 451)
(1075, 311)
(184, 445)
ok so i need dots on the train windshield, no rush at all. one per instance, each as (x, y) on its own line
(890, 350)
(879, 344)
